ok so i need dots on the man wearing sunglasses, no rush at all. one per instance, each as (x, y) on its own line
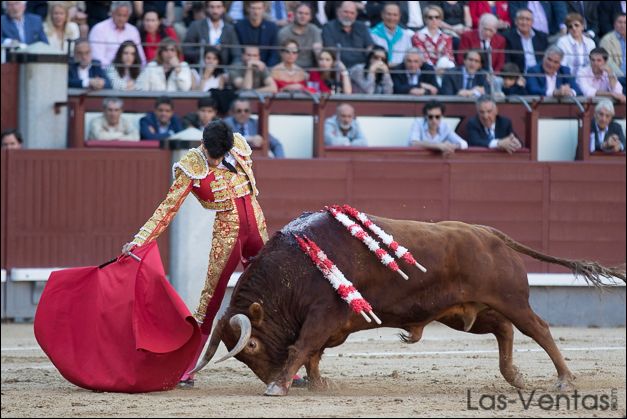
(219, 173)
(434, 134)
(241, 122)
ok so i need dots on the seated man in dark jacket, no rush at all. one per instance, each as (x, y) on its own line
(160, 124)
(468, 80)
(414, 76)
(551, 78)
(488, 129)
(85, 72)
(605, 134)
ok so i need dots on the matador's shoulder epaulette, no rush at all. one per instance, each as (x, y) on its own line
(193, 164)
(240, 145)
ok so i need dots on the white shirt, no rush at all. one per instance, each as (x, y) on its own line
(215, 33)
(551, 82)
(415, 15)
(527, 44)
(83, 74)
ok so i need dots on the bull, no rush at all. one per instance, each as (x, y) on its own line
(283, 314)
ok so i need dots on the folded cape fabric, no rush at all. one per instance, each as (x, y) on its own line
(119, 328)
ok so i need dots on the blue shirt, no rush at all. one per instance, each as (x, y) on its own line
(420, 132)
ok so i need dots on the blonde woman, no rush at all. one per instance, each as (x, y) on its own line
(167, 72)
(58, 27)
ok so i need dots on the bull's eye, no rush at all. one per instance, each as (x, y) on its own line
(252, 344)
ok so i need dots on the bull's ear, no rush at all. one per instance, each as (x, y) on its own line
(256, 313)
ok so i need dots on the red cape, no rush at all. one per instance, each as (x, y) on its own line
(119, 328)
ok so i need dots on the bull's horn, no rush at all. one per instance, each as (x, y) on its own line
(243, 322)
(214, 342)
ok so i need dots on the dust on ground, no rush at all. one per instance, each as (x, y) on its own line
(446, 374)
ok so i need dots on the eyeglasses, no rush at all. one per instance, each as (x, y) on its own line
(433, 17)
(290, 51)
(434, 116)
(242, 110)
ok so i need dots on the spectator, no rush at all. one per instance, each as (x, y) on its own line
(389, 35)
(608, 10)
(414, 76)
(215, 32)
(97, 11)
(207, 111)
(342, 129)
(489, 129)
(486, 39)
(255, 30)
(254, 73)
(433, 134)
(551, 78)
(347, 32)
(308, 36)
(500, 9)
(374, 76)
(240, 121)
(213, 74)
(431, 40)
(468, 80)
(19, 28)
(112, 125)
(442, 65)
(193, 11)
(513, 82)
(456, 19)
(11, 139)
(331, 76)
(107, 36)
(606, 135)
(167, 72)
(125, 70)
(598, 79)
(590, 12)
(163, 9)
(235, 11)
(151, 32)
(576, 47)
(162, 123)
(525, 46)
(548, 16)
(286, 74)
(58, 27)
(614, 44)
(85, 72)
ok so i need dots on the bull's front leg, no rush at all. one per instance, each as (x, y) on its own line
(309, 343)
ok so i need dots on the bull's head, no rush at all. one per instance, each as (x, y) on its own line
(244, 337)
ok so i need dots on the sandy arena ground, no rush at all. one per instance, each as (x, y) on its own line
(447, 374)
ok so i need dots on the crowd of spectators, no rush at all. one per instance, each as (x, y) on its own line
(558, 48)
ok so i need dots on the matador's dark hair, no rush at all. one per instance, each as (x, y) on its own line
(217, 138)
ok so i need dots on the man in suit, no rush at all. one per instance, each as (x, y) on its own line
(605, 134)
(524, 44)
(85, 72)
(486, 39)
(551, 78)
(162, 123)
(221, 33)
(548, 16)
(19, 27)
(468, 80)
(608, 10)
(241, 122)
(255, 30)
(488, 129)
(414, 76)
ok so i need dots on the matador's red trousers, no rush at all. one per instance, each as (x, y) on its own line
(238, 235)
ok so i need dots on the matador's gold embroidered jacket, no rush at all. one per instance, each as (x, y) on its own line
(215, 188)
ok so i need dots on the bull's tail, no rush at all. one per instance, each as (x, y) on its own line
(591, 271)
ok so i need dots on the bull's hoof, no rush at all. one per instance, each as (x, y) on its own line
(565, 386)
(515, 378)
(275, 389)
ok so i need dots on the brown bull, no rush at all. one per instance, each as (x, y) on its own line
(284, 313)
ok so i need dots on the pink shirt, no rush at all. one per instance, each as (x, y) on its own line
(105, 39)
(591, 84)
